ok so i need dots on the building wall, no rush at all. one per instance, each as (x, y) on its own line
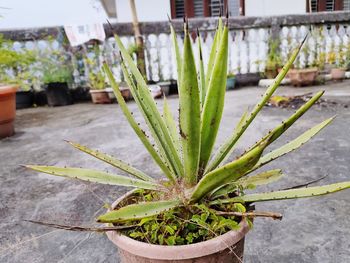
(147, 10)
(274, 7)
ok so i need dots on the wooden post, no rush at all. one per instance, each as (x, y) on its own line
(140, 53)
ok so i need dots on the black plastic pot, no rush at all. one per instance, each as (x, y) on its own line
(40, 98)
(58, 94)
(80, 94)
(24, 99)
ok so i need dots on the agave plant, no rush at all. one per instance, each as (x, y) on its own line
(184, 152)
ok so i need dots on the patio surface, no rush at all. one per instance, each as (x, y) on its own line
(312, 230)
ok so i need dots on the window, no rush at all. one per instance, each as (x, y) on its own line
(198, 8)
(179, 8)
(216, 7)
(330, 5)
(346, 5)
(203, 8)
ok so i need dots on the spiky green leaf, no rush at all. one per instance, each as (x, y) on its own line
(189, 115)
(227, 173)
(149, 118)
(151, 109)
(279, 130)
(225, 150)
(213, 53)
(256, 180)
(140, 133)
(95, 176)
(138, 211)
(177, 53)
(113, 161)
(203, 88)
(171, 125)
(293, 145)
(214, 102)
(286, 194)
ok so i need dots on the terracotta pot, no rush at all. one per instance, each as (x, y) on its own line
(227, 248)
(7, 110)
(126, 93)
(100, 96)
(271, 73)
(338, 73)
(303, 77)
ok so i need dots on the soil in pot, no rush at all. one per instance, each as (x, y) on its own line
(58, 94)
(100, 97)
(303, 77)
(8, 110)
(24, 99)
(338, 74)
(225, 248)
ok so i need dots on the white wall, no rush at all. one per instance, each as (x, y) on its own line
(274, 7)
(44, 13)
(147, 10)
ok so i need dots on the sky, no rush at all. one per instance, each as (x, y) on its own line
(46, 13)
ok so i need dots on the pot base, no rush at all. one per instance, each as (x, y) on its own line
(7, 110)
(232, 255)
(100, 97)
(226, 248)
(7, 129)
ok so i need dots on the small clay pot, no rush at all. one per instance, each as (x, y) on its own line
(227, 248)
(303, 77)
(100, 97)
(126, 93)
(7, 110)
(271, 73)
(338, 74)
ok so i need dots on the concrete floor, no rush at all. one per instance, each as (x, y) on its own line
(312, 230)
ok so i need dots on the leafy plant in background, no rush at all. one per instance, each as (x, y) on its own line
(203, 194)
(15, 66)
(274, 60)
(57, 67)
(96, 77)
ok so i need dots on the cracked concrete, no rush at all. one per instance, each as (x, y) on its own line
(312, 230)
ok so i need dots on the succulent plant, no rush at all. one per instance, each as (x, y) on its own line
(194, 175)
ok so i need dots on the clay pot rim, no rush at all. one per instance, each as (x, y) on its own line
(179, 252)
(8, 89)
(342, 69)
(97, 90)
(306, 70)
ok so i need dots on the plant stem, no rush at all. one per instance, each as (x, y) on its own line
(80, 228)
(251, 214)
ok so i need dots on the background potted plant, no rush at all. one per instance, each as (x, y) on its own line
(97, 84)
(231, 81)
(57, 76)
(200, 211)
(340, 61)
(304, 75)
(15, 69)
(274, 61)
(96, 77)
